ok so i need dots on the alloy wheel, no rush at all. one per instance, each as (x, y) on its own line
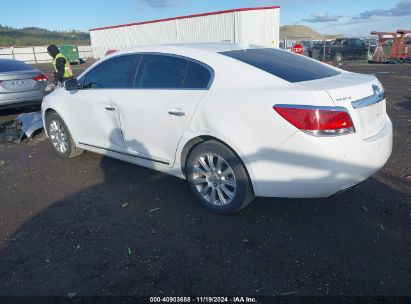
(214, 179)
(58, 136)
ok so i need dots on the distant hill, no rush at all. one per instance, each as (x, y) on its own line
(301, 31)
(31, 36)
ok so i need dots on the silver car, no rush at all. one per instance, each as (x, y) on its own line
(20, 84)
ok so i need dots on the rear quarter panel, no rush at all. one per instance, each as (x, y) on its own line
(245, 120)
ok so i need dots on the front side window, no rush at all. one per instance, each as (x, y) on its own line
(285, 65)
(161, 72)
(111, 74)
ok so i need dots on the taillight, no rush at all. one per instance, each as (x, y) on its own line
(317, 121)
(42, 77)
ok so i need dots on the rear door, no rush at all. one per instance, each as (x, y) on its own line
(156, 112)
(360, 49)
(349, 49)
(95, 117)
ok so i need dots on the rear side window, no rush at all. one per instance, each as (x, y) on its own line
(285, 65)
(161, 72)
(13, 66)
(197, 76)
(111, 74)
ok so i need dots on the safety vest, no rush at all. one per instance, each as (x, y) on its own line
(67, 68)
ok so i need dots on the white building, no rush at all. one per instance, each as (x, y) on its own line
(260, 25)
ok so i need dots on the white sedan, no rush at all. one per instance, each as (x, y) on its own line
(236, 121)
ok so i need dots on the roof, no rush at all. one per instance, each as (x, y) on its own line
(205, 47)
(189, 16)
(215, 47)
(9, 59)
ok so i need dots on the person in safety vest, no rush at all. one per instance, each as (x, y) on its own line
(61, 66)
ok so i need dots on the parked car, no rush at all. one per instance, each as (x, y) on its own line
(347, 49)
(235, 121)
(109, 52)
(20, 84)
(307, 45)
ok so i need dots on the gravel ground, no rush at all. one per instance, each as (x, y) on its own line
(98, 226)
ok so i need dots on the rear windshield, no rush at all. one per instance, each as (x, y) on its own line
(13, 66)
(285, 65)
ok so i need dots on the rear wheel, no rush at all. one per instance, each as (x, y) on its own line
(218, 178)
(60, 137)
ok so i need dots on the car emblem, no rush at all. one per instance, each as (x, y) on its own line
(19, 82)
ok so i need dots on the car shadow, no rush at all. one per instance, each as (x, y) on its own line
(19, 110)
(10, 114)
(141, 233)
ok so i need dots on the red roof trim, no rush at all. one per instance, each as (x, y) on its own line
(189, 16)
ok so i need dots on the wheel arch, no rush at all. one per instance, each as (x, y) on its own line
(48, 111)
(195, 141)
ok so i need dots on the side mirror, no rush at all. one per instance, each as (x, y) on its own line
(72, 85)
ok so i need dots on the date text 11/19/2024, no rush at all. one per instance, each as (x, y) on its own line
(203, 300)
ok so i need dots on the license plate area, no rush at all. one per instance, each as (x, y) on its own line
(20, 85)
(371, 118)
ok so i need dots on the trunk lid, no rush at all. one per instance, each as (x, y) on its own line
(17, 82)
(363, 97)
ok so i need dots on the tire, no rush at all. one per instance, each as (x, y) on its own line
(218, 178)
(60, 137)
(338, 59)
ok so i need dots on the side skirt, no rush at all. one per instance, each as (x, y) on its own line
(135, 159)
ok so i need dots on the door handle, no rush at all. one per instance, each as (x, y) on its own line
(109, 108)
(176, 112)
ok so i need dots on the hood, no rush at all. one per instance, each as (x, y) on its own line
(53, 50)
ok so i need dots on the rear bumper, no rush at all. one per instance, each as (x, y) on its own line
(307, 166)
(21, 99)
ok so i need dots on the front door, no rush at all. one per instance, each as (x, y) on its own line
(96, 118)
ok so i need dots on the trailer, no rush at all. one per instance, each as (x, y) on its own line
(399, 49)
(258, 25)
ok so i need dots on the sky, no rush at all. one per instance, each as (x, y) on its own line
(347, 17)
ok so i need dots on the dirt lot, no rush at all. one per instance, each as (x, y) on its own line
(98, 226)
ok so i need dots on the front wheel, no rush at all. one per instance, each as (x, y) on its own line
(218, 178)
(338, 59)
(60, 137)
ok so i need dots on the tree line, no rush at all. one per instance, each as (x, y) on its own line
(32, 36)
